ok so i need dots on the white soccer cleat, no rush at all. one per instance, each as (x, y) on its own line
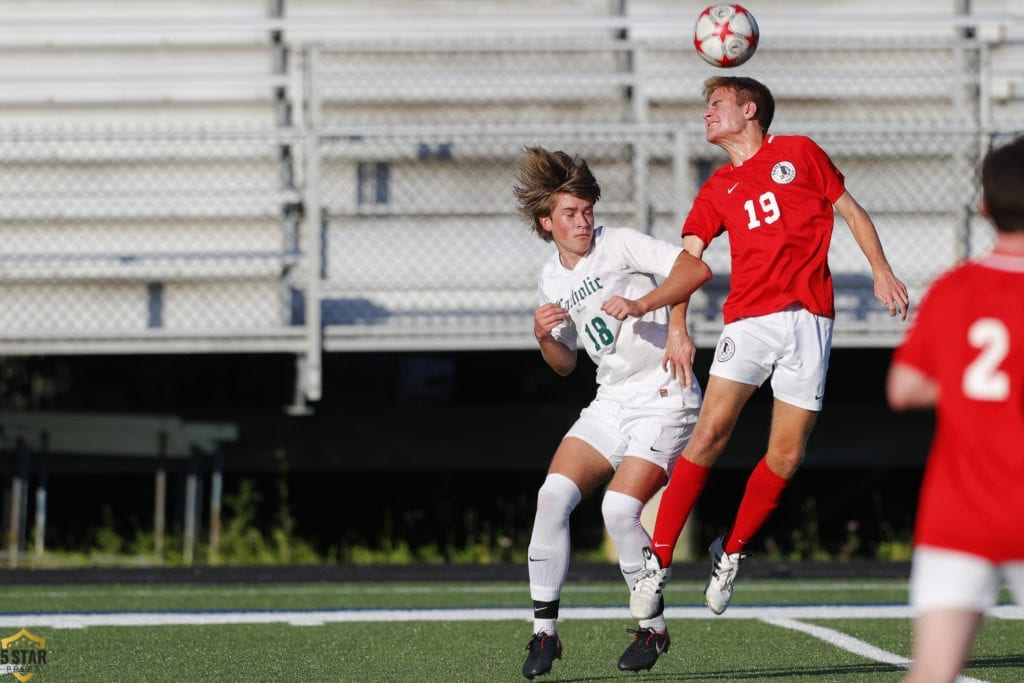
(724, 567)
(645, 601)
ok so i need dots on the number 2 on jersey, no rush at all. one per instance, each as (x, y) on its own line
(603, 333)
(983, 380)
(769, 207)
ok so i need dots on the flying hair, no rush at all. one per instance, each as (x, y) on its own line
(542, 176)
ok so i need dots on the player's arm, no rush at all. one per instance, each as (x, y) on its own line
(680, 350)
(685, 278)
(888, 288)
(907, 387)
(560, 357)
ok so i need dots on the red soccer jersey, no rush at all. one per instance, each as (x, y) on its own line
(777, 209)
(968, 337)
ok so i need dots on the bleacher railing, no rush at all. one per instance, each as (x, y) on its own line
(379, 213)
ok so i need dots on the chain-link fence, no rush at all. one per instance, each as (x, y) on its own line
(420, 143)
(139, 236)
(382, 216)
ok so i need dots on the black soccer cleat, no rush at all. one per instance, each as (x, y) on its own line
(542, 650)
(645, 649)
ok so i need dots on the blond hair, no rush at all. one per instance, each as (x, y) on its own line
(542, 176)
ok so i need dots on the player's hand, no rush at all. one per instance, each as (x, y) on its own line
(547, 318)
(679, 354)
(892, 293)
(621, 308)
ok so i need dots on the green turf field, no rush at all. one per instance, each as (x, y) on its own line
(828, 630)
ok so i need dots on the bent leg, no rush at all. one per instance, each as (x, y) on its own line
(791, 427)
(635, 482)
(632, 486)
(787, 443)
(723, 402)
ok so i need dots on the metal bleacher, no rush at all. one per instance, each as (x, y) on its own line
(148, 200)
(308, 177)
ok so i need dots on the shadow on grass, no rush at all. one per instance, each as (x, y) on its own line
(757, 674)
(1000, 662)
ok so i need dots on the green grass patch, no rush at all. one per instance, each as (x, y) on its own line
(711, 649)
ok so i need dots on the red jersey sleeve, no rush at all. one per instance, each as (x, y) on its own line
(831, 179)
(704, 220)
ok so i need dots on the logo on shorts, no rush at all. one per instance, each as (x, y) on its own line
(726, 349)
(784, 172)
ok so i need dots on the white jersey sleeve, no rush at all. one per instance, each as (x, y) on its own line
(643, 252)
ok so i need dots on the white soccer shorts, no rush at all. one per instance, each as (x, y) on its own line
(616, 431)
(791, 346)
(948, 579)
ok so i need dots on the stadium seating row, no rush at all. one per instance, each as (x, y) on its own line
(236, 175)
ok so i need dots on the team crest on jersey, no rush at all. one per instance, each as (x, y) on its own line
(784, 172)
(726, 349)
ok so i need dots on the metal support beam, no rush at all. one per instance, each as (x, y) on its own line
(18, 505)
(41, 483)
(216, 491)
(188, 551)
(160, 496)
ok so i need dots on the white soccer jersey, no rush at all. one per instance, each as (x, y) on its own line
(628, 353)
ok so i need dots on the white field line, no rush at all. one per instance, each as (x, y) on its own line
(783, 617)
(842, 641)
(851, 644)
(319, 617)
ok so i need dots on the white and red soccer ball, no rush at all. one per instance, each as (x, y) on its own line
(725, 35)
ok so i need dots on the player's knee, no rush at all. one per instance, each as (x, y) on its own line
(706, 444)
(784, 462)
(558, 496)
(621, 512)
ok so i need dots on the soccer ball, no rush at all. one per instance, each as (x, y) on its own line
(725, 35)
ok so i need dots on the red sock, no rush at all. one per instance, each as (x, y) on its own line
(677, 501)
(764, 488)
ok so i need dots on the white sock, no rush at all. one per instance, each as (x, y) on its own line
(550, 544)
(655, 624)
(622, 520)
(544, 626)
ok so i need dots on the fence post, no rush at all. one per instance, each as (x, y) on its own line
(40, 523)
(160, 496)
(216, 490)
(313, 222)
(18, 504)
(189, 530)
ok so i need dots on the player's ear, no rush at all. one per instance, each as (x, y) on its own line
(750, 110)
